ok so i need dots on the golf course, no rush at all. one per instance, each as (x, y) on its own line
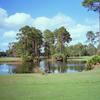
(77, 86)
(49, 49)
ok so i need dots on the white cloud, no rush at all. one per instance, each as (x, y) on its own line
(11, 24)
(52, 23)
(18, 20)
(10, 34)
(76, 29)
(14, 21)
(79, 30)
(41, 23)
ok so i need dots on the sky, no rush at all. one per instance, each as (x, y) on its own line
(45, 14)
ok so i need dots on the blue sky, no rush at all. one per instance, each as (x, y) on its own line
(45, 14)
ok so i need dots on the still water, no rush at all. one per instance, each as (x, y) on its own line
(42, 66)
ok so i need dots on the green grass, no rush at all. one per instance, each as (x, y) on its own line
(82, 58)
(9, 59)
(76, 86)
(12, 59)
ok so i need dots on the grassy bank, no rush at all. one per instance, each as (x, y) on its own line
(14, 59)
(82, 58)
(77, 86)
(10, 59)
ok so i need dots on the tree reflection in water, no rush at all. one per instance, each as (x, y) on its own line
(25, 67)
(62, 67)
(43, 66)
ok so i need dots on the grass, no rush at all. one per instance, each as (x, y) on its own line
(76, 86)
(10, 59)
(14, 59)
(81, 58)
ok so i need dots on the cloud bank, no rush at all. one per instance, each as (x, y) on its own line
(10, 24)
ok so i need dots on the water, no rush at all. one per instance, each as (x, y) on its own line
(60, 67)
(7, 68)
(43, 66)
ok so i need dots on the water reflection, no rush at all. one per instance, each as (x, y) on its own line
(7, 68)
(61, 67)
(44, 65)
(25, 67)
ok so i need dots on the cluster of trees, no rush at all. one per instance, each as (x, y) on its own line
(3, 54)
(29, 43)
(81, 50)
(31, 40)
(55, 42)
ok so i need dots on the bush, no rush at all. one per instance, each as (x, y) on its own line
(91, 62)
(27, 58)
(59, 56)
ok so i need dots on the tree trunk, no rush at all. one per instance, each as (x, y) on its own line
(36, 50)
(99, 23)
(33, 47)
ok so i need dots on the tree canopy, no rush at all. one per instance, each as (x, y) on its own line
(92, 4)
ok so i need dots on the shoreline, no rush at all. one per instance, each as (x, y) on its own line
(16, 59)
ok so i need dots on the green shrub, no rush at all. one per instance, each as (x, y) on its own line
(27, 58)
(93, 61)
(59, 55)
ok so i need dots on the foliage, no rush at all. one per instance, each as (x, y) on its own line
(75, 50)
(59, 55)
(91, 62)
(91, 49)
(92, 4)
(56, 41)
(91, 37)
(27, 58)
(30, 41)
(14, 50)
(98, 52)
(62, 37)
(28, 45)
(80, 50)
(49, 40)
(3, 54)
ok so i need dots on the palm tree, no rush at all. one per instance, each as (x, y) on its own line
(95, 6)
(62, 36)
(36, 38)
(49, 42)
(90, 37)
(30, 39)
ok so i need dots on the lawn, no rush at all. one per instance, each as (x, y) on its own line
(14, 59)
(76, 86)
(10, 59)
(81, 58)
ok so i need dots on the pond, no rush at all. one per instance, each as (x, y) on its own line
(42, 66)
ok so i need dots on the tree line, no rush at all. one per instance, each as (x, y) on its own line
(32, 43)
(32, 40)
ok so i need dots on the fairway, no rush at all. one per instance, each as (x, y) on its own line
(10, 59)
(76, 86)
